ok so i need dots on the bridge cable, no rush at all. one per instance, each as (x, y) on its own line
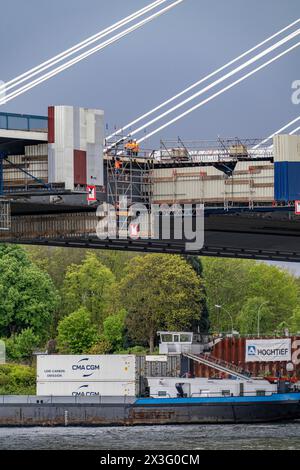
(86, 54)
(92, 39)
(186, 90)
(277, 132)
(228, 87)
(219, 80)
(295, 131)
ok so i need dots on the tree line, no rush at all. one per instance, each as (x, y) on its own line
(81, 301)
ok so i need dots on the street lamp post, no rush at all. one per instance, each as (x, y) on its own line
(229, 314)
(258, 317)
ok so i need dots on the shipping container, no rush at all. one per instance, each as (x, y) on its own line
(28, 169)
(169, 368)
(36, 150)
(86, 389)
(287, 181)
(63, 368)
(233, 351)
(251, 181)
(286, 148)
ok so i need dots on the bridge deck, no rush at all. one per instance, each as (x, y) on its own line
(262, 235)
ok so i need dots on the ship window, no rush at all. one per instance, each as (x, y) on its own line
(260, 393)
(176, 339)
(226, 393)
(166, 338)
(162, 393)
(185, 338)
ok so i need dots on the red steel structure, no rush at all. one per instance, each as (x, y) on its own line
(233, 351)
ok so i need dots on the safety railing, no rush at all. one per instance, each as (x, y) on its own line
(23, 122)
(225, 364)
(68, 400)
(262, 393)
(219, 365)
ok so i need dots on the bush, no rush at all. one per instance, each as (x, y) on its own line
(138, 350)
(17, 380)
(76, 333)
(21, 347)
(103, 346)
(114, 330)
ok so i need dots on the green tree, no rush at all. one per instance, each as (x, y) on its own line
(203, 323)
(160, 291)
(76, 333)
(21, 346)
(226, 285)
(278, 287)
(294, 321)
(231, 283)
(55, 261)
(116, 261)
(114, 330)
(255, 317)
(28, 298)
(90, 285)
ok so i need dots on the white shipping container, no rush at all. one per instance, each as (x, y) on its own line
(250, 181)
(87, 389)
(63, 368)
(36, 150)
(286, 148)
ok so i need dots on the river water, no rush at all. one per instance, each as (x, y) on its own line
(213, 437)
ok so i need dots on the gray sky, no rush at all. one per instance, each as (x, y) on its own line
(130, 77)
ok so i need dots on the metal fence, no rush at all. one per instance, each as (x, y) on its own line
(5, 216)
(23, 122)
(66, 400)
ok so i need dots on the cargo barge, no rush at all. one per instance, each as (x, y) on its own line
(165, 400)
(86, 411)
(126, 390)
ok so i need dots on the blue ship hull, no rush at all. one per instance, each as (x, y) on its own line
(279, 407)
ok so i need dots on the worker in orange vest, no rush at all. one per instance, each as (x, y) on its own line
(132, 148)
(118, 165)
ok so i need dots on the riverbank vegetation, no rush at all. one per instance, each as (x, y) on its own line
(78, 301)
(17, 379)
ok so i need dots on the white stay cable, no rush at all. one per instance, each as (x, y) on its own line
(92, 39)
(217, 82)
(186, 90)
(86, 54)
(295, 131)
(277, 132)
(228, 87)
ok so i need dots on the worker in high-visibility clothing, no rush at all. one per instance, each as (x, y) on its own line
(118, 166)
(132, 148)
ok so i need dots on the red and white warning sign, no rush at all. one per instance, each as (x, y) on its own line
(134, 231)
(91, 193)
(297, 207)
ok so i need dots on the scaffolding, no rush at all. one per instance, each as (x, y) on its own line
(220, 150)
(5, 216)
(129, 176)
